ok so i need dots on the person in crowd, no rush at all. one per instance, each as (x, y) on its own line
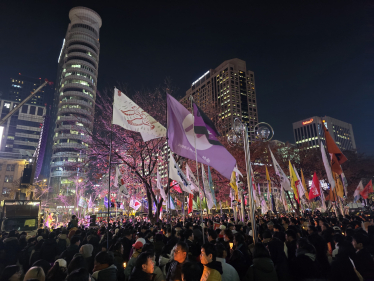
(63, 241)
(180, 257)
(49, 249)
(171, 241)
(43, 264)
(144, 268)
(12, 248)
(57, 271)
(229, 273)
(86, 251)
(320, 246)
(11, 273)
(78, 261)
(104, 268)
(73, 223)
(212, 268)
(291, 244)
(80, 274)
(73, 249)
(262, 268)
(35, 273)
(137, 251)
(362, 259)
(191, 272)
(239, 258)
(127, 242)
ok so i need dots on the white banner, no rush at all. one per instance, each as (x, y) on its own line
(130, 116)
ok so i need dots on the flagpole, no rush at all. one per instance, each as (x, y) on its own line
(197, 166)
(110, 170)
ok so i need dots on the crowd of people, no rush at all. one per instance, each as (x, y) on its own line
(288, 247)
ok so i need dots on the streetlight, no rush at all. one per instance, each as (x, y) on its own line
(238, 135)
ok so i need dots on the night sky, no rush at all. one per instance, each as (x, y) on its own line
(309, 57)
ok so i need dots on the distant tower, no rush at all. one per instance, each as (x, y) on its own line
(74, 98)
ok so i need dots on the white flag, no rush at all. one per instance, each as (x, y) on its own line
(236, 170)
(259, 189)
(283, 197)
(285, 182)
(135, 204)
(159, 186)
(326, 163)
(207, 190)
(130, 116)
(264, 207)
(359, 188)
(175, 173)
(190, 176)
(300, 187)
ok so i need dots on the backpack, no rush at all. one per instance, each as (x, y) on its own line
(61, 246)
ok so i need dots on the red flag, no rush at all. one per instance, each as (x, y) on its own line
(190, 203)
(216, 225)
(175, 186)
(368, 189)
(314, 189)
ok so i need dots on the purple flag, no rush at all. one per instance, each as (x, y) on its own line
(205, 126)
(182, 140)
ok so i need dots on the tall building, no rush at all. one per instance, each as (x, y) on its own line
(311, 133)
(74, 99)
(20, 133)
(230, 90)
(21, 87)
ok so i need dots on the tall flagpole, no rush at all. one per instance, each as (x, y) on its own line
(110, 170)
(197, 167)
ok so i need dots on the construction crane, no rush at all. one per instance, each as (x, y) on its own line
(14, 110)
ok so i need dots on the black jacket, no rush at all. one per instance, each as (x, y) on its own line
(127, 245)
(49, 250)
(364, 264)
(342, 269)
(174, 271)
(69, 253)
(140, 275)
(12, 250)
(262, 269)
(305, 267)
(172, 240)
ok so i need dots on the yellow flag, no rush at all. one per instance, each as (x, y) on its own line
(233, 184)
(338, 185)
(268, 178)
(304, 185)
(293, 179)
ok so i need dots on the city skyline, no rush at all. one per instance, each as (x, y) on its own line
(309, 60)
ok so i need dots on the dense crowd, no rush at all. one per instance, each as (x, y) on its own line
(307, 247)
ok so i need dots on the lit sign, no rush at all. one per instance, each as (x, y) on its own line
(308, 122)
(63, 44)
(200, 78)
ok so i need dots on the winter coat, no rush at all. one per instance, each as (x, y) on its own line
(127, 245)
(49, 250)
(131, 264)
(342, 269)
(69, 253)
(174, 271)
(262, 269)
(140, 275)
(107, 274)
(229, 273)
(62, 246)
(159, 275)
(212, 271)
(277, 255)
(118, 262)
(240, 260)
(291, 247)
(12, 250)
(304, 267)
(364, 264)
(172, 240)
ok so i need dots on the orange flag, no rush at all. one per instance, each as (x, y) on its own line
(338, 157)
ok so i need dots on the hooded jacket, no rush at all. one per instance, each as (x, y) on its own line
(49, 250)
(212, 271)
(87, 254)
(63, 237)
(262, 269)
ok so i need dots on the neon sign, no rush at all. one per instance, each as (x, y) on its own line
(308, 122)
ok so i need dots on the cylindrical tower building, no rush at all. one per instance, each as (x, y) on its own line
(74, 101)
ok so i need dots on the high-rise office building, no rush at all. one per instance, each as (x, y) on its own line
(230, 90)
(20, 133)
(21, 87)
(74, 99)
(309, 132)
